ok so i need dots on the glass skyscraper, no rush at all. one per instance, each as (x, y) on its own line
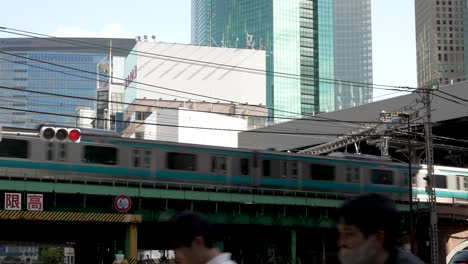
(302, 39)
(22, 67)
(441, 41)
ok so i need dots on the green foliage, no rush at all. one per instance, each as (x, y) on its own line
(51, 255)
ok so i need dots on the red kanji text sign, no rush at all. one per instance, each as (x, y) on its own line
(13, 201)
(35, 202)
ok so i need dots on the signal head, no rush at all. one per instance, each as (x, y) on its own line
(74, 135)
(47, 133)
(61, 135)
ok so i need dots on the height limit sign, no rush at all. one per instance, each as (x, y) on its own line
(122, 203)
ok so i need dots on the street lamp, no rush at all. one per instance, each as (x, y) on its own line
(410, 182)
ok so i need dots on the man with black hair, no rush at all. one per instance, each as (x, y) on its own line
(368, 229)
(194, 240)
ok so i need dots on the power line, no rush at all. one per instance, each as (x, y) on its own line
(454, 96)
(155, 55)
(279, 117)
(178, 126)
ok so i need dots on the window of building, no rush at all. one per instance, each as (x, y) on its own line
(438, 22)
(14, 148)
(100, 155)
(449, 2)
(141, 116)
(322, 172)
(384, 177)
(440, 181)
(244, 166)
(181, 161)
(218, 164)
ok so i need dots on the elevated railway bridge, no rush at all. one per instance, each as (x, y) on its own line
(252, 222)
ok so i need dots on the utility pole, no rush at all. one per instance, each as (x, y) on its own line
(434, 241)
(410, 183)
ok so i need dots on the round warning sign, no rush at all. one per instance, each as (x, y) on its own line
(122, 203)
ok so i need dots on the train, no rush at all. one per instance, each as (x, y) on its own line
(107, 156)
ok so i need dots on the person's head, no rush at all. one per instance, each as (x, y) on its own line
(193, 237)
(367, 227)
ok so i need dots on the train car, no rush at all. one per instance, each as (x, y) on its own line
(105, 157)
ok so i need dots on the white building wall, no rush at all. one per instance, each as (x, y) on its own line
(179, 125)
(209, 136)
(86, 117)
(184, 68)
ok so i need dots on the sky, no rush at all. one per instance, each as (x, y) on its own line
(393, 28)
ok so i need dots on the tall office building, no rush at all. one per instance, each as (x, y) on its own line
(310, 44)
(24, 67)
(440, 41)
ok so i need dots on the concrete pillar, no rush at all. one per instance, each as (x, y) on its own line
(293, 246)
(131, 242)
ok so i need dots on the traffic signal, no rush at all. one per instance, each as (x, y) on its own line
(60, 134)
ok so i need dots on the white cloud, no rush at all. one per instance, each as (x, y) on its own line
(108, 31)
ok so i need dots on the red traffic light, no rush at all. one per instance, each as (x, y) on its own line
(60, 134)
(74, 135)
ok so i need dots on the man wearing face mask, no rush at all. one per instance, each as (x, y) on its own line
(368, 227)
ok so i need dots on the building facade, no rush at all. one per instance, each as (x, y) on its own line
(37, 65)
(307, 44)
(167, 71)
(440, 41)
(214, 124)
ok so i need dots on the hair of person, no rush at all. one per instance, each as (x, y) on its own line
(187, 225)
(372, 213)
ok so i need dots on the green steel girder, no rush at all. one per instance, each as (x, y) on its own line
(74, 188)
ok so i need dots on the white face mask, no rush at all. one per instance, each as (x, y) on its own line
(361, 254)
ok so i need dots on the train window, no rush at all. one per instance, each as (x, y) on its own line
(404, 180)
(100, 155)
(141, 158)
(181, 161)
(14, 148)
(293, 169)
(462, 183)
(322, 172)
(266, 167)
(62, 152)
(382, 177)
(289, 169)
(50, 151)
(352, 174)
(244, 166)
(218, 164)
(440, 181)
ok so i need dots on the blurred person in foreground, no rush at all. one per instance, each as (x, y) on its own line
(368, 230)
(194, 240)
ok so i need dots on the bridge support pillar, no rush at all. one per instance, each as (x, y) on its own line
(131, 241)
(293, 246)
